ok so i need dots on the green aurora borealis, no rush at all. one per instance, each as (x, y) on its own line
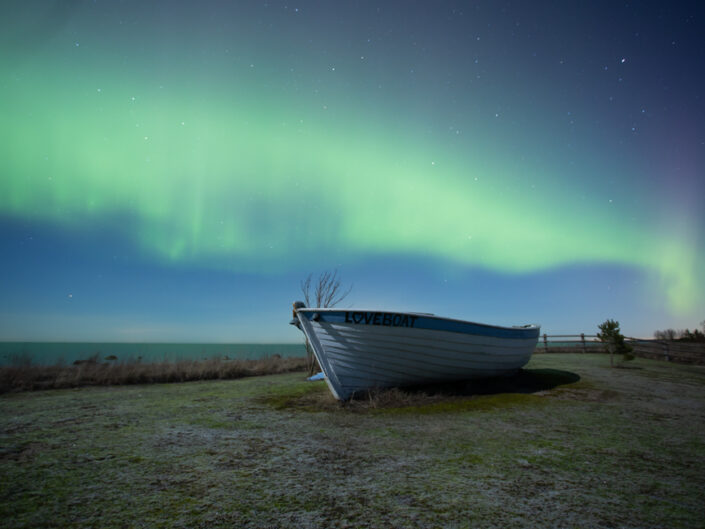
(211, 140)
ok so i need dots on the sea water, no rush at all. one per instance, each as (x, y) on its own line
(53, 353)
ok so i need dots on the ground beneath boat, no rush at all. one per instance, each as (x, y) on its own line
(568, 442)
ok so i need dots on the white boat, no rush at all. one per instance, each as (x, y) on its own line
(365, 349)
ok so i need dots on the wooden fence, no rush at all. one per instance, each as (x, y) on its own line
(670, 351)
(680, 352)
(569, 343)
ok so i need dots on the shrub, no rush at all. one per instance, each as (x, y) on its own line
(614, 342)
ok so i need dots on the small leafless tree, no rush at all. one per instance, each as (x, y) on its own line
(326, 293)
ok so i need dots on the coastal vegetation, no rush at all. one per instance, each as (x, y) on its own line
(23, 375)
(571, 444)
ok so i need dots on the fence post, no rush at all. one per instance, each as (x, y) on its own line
(545, 342)
(665, 351)
(582, 339)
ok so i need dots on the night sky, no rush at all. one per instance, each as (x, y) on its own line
(171, 170)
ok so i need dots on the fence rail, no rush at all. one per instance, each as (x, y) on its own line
(670, 351)
(559, 343)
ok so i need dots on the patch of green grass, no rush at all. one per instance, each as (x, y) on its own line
(476, 395)
(297, 395)
(469, 404)
(213, 422)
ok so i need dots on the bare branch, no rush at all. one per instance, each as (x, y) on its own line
(306, 290)
(327, 292)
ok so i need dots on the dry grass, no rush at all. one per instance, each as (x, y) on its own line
(93, 373)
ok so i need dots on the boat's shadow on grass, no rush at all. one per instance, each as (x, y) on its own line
(524, 381)
(523, 387)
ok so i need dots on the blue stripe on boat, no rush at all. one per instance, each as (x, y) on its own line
(417, 321)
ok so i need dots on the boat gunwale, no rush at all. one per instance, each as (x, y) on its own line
(527, 327)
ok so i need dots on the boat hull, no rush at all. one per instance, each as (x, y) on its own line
(361, 350)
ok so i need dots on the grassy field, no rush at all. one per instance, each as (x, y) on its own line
(570, 442)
